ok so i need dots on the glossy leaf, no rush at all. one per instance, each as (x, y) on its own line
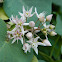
(59, 25)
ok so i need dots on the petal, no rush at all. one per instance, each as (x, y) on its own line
(21, 40)
(30, 10)
(13, 41)
(20, 14)
(39, 43)
(22, 29)
(35, 40)
(24, 10)
(36, 50)
(32, 14)
(46, 42)
(30, 42)
(36, 12)
(26, 24)
(44, 24)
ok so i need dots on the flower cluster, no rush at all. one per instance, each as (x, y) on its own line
(21, 32)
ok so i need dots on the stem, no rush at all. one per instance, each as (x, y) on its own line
(39, 24)
(48, 58)
(42, 24)
(26, 19)
(54, 46)
(36, 21)
(37, 36)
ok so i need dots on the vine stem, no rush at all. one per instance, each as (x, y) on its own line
(26, 19)
(54, 46)
(36, 21)
(37, 36)
(48, 58)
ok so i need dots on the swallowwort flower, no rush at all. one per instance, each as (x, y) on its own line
(34, 44)
(27, 13)
(40, 16)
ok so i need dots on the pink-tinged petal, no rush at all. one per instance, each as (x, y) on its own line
(39, 43)
(36, 39)
(32, 14)
(36, 12)
(36, 50)
(22, 29)
(13, 41)
(30, 10)
(20, 14)
(24, 10)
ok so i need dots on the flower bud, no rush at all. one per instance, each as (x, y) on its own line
(29, 35)
(49, 17)
(51, 26)
(31, 24)
(45, 32)
(41, 19)
(44, 29)
(52, 33)
(46, 42)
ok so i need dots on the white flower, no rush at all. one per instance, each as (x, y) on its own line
(27, 13)
(26, 47)
(34, 44)
(29, 35)
(17, 35)
(41, 16)
(46, 42)
(49, 17)
(19, 22)
(13, 19)
(31, 24)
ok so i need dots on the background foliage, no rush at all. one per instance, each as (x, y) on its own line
(14, 53)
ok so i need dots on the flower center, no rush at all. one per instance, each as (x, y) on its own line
(27, 13)
(20, 23)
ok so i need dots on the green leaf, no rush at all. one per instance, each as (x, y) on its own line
(59, 25)
(14, 53)
(3, 16)
(3, 32)
(42, 61)
(12, 7)
(57, 2)
(34, 59)
(55, 50)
